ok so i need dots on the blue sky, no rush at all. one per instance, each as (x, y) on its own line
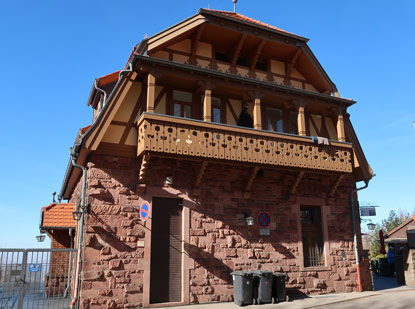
(51, 51)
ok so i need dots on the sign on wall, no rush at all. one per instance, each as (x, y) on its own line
(264, 219)
(144, 211)
(367, 211)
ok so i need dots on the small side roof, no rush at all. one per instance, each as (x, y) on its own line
(58, 216)
(405, 225)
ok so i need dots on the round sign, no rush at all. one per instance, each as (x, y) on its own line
(264, 219)
(144, 210)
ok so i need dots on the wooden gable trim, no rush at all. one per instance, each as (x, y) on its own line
(162, 39)
(365, 170)
(100, 127)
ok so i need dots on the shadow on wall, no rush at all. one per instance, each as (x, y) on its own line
(209, 261)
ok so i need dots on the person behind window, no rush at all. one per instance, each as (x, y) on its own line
(245, 120)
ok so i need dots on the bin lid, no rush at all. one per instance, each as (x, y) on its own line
(241, 273)
(279, 275)
(265, 273)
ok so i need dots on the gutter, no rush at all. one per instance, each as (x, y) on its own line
(356, 250)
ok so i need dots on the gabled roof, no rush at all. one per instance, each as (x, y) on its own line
(400, 226)
(243, 18)
(55, 216)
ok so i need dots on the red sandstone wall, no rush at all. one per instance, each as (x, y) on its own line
(113, 268)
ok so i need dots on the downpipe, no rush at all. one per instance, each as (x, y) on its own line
(356, 251)
(74, 302)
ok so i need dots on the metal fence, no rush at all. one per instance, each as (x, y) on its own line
(36, 278)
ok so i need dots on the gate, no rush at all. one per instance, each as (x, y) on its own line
(36, 278)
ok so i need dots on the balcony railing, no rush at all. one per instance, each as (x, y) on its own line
(194, 138)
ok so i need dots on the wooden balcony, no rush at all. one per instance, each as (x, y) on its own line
(206, 140)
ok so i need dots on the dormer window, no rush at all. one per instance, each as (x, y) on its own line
(242, 61)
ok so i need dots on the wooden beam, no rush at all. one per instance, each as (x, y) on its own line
(195, 43)
(151, 91)
(336, 185)
(196, 189)
(238, 49)
(341, 135)
(207, 103)
(257, 54)
(144, 166)
(294, 187)
(290, 66)
(251, 179)
(301, 120)
(257, 113)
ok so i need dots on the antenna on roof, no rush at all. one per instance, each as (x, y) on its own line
(53, 197)
(234, 5)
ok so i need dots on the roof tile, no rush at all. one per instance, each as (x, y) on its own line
(58, 215)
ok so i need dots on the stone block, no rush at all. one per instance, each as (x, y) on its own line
(116, 265)
(92, 275)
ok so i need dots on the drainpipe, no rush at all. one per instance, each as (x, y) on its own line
(101, 90)
(81, 228)
(356, 251)
(128, 69)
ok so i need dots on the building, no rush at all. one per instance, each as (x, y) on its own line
(57, 222)
(166, 132)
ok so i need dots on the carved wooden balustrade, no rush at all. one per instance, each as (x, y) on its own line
(194, 138)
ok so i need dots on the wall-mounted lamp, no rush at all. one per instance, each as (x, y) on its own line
(371, 226)
(169, 180)
(77, 215)
(250, 221)
(40, 238)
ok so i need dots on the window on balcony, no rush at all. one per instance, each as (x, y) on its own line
(182, 104)
(274, 119)
(293, 123)
(216, 110)
(312, 235)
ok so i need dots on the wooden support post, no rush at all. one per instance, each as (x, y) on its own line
(196, 189)
(335, 185)
(151, 92)
(297, 182)
(301, 120)
(250, 182)
(257, 113)
(207, 103)
(341, 136)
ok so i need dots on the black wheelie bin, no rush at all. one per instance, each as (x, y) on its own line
(263, 280)
(242, 287)
(278, 288)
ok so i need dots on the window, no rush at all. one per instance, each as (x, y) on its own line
(182, 104)
(293, 122)
(274, 119)
(312, 235)
(216, 109)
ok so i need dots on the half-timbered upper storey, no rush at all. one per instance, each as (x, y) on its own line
(223, 86)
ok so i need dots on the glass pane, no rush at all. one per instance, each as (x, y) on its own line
(215, 101)
(182, 96)
(216, 115)
(269, 125)
(187, 111)
(274, 112)
(293, 123)
(279, 126)
(177, 110)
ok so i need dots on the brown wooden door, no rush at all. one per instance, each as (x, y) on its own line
(166, 251)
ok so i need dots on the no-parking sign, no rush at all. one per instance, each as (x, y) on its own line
(264, 219)
(144, 210)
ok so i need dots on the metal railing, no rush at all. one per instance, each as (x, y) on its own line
(36, 278)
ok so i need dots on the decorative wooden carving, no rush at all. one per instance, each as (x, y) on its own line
(257, 54)
(144, 166)
(209, 140)
(238, 49)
